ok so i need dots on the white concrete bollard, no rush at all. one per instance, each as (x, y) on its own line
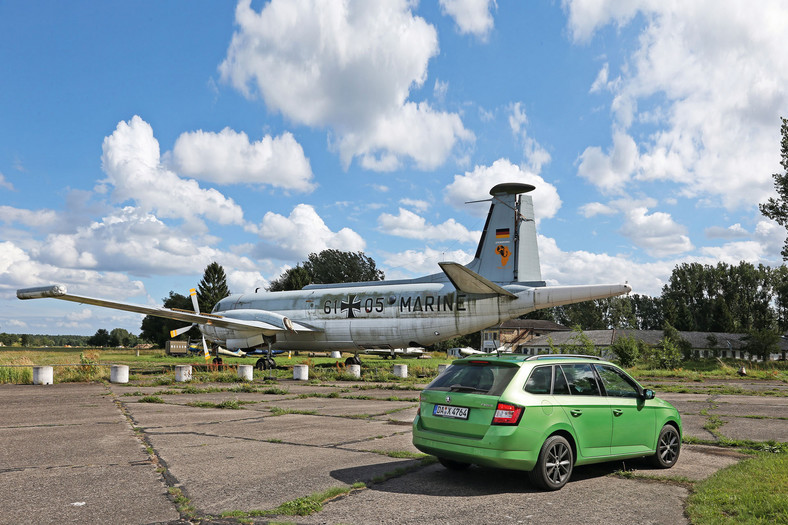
(183, 373)
(442, 368)
(246, 372)
(354, 370)
(42, 375)
(119, 374)
(336, 354)
(301, 372)
(401, 370)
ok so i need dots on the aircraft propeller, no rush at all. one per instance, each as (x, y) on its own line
(179, 331)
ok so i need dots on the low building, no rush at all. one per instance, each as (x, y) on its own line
(703, 344)
(515, 332)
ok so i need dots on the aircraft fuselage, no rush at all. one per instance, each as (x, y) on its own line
(354, 318)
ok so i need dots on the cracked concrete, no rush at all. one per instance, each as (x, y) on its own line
(77, 453)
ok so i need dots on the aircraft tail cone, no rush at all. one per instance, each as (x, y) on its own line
(559, 295)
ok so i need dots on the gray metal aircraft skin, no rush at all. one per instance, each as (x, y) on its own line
(502, 282)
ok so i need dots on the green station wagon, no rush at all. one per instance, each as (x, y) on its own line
(543, 414)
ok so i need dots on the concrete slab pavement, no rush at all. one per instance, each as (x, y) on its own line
(69, 456)
(76, 453)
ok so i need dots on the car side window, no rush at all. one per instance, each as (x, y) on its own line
(581, 379)
(616, 383)
(539, 382)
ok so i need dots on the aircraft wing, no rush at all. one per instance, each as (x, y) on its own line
(269, 328)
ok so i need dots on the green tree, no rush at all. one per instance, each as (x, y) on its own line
(335, 266)
(627, 350)
(327, 267)
(723, 298)
(292, 279)
(762, 343)
(648, 312)
(779, 284)
(121, 337)
(777, 209)
(588, 315)
(100, 338)
(212, 287)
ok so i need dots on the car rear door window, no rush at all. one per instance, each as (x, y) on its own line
(581, 379)
(539, 381)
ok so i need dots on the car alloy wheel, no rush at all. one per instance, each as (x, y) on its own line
(668, 447)
(554, 465)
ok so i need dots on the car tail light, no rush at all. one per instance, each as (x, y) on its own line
(418, 410)
(506, 414)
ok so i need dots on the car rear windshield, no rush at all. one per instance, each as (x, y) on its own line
(474, 377)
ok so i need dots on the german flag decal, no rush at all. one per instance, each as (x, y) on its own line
(502, 233)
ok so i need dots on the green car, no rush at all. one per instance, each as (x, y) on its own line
(543, 414)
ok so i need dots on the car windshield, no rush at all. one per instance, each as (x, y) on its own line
(474, 377)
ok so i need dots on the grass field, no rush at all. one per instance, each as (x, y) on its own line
(75, 364)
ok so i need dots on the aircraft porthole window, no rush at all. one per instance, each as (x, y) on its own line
(392, 299)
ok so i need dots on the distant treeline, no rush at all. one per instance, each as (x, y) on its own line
(102, 338)
(704, 298)
(43, 340)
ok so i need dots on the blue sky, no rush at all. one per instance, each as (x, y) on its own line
(140, 141)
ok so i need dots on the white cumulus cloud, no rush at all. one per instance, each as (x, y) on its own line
(471, 16)
(348, 66)
(476, 185)
(412, 226)
(710, 79)
(304, 232)
(132, 162)
(228, 157)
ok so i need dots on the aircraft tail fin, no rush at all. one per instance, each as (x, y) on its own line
(507, 250)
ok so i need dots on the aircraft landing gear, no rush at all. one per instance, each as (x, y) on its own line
(265, 363)
(217, 361)
(355, 360)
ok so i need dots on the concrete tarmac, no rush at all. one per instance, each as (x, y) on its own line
(95, 453)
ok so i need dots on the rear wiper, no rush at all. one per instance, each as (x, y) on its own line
(465, 388)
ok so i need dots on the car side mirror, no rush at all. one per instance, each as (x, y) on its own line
(647, 394)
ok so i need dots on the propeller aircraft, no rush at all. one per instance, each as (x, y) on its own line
(502, 282)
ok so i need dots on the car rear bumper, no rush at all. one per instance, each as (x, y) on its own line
(498, 449)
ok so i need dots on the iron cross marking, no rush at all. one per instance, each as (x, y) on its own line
(351, 304)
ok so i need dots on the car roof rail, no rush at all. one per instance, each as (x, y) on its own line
(562, 356)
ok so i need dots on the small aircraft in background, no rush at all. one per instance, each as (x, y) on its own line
(394, 353)
(502, 282)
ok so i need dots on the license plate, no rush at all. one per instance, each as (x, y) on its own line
(452, 412)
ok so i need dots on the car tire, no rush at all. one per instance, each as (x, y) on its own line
(668, 447)
(554, 466)
(453, 465)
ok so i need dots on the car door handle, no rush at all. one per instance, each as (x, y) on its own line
(617, 411)
(576, 413)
